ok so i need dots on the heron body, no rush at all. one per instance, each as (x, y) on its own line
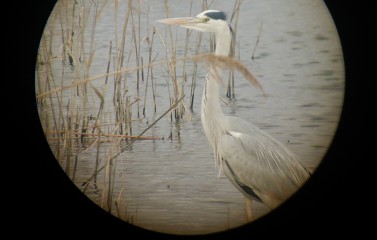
(259, 166)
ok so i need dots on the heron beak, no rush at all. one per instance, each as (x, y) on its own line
(184, 22)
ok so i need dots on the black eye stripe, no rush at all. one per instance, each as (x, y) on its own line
(216, 15)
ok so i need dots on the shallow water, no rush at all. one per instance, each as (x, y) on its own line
(171, 185)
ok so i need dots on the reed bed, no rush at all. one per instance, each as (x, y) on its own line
(86, 110)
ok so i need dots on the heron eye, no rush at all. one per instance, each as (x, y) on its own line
(206, 19)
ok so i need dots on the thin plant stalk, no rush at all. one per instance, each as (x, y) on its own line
(149, 72)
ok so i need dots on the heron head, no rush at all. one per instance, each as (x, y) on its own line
(208, 21)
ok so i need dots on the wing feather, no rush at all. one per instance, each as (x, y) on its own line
(260, 162)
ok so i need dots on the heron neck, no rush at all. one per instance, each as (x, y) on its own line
(211, 93)
(223, 41)
(211, 96)
(211, 110)
(211, 113)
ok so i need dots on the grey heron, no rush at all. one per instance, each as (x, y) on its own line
(258, 165)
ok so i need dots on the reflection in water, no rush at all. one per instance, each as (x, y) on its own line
(169, 182)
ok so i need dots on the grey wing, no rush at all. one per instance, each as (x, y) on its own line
(257, 164)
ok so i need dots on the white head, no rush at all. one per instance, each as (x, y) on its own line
(212, 21)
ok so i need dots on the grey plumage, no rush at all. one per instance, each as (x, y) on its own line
(262, 168)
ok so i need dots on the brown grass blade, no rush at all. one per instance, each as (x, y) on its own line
(225, 62)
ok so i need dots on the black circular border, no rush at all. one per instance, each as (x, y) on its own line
(332, 203)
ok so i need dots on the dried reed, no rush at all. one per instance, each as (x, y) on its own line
(77, 116)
